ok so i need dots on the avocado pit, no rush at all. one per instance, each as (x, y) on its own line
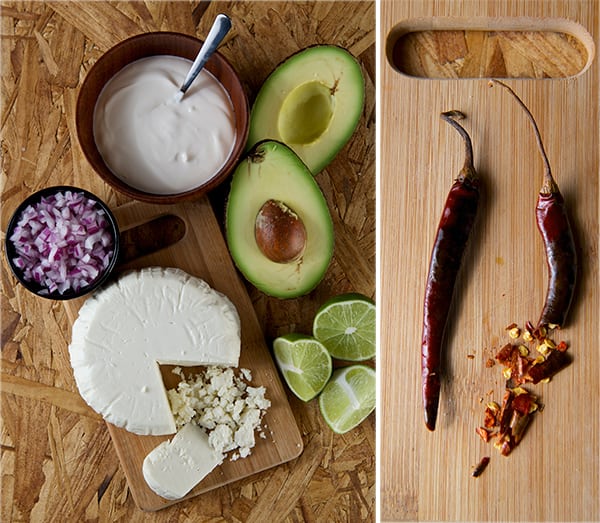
(279, 232)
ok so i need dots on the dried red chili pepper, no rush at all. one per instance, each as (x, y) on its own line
(553, 224)
(446, 257)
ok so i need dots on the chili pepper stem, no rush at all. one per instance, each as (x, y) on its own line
(549, 186)
(468, 170)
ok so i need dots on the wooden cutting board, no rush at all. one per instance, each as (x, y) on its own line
(200, 250)
(553, 474)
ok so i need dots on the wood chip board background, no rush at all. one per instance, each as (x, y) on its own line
(58, 462)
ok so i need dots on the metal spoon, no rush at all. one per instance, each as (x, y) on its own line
(217, 32)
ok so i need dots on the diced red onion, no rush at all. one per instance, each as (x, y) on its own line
(63, 242)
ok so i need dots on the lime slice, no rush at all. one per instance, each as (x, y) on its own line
(345, 324)
(304, 363)
(348, 398)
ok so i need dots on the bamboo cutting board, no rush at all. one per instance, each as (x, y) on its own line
(193, 243)
(553, 474)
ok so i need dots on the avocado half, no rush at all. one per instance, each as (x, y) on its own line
(272, 172)
(312, 102)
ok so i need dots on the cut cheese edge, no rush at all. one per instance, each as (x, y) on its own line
(146, 318)
(175, 467)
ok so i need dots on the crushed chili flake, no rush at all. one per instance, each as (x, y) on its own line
(529, 327)
(490, 416)
(520, 368)
(555, 361)
(513, 419)
(480, 467)
(484, 434)
(514, 333)
(503, 447)
(504, 354)
(523, 403)
(489, 419)
(508, 423)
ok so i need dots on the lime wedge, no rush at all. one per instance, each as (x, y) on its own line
(348, 398)
(304, 363)
(345, 324)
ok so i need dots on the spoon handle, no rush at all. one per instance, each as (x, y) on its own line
(217, 32)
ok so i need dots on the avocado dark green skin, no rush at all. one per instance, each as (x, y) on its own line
(338, 72)
(272, 171)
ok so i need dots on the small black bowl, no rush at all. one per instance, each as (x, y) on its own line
(40, 289)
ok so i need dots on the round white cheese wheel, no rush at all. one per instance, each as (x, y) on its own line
(146, 318)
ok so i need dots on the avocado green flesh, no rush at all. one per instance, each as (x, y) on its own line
(306, 113)
(312, 102)
(272, 171)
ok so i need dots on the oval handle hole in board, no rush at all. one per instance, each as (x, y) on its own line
(509, 49)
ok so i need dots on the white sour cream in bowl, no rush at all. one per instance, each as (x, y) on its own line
(154, 143)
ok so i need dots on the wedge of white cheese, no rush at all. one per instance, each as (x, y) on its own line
(175, 467)
(146, 318)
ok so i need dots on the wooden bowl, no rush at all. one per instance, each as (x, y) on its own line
(130, 50)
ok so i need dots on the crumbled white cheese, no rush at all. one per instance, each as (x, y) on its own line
(224, 405)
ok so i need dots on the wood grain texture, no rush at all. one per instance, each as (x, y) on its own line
(58, 462)
(553, 474)
(282, 440)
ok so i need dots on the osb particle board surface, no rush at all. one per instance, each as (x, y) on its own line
(57, 458)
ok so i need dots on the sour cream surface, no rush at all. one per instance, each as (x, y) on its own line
(155, 143)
